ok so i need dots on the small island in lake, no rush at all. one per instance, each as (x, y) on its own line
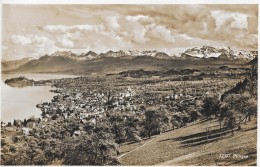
(23, 82)
(19, 82)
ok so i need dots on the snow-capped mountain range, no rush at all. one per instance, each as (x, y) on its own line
(196, 52)
(92, 55)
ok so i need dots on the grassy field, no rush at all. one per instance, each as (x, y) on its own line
(190, 146)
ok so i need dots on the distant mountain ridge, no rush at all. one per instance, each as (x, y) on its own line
(105, 65)
(13, 64)
(196, 52)
(91, 62)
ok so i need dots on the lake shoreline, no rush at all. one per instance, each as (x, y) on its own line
(23, 101)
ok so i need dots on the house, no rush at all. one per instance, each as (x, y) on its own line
(83, 115)
(65, 115)
(89, 122)
(76, 133)
(26, 131)
(3, 124)
(18, 123)
(31, 124)
(176, 97)
(45, 119)
(93, 122)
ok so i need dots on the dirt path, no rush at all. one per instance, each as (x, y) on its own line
(182, 158)
(120, 156)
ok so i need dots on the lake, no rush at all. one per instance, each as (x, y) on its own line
(20, 103)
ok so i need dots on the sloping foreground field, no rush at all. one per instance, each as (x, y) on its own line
(190, 146)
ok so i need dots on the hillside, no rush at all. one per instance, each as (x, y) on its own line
(188, 146)
(253, 62)
(48, 64)
(10, 65)
(105, 65)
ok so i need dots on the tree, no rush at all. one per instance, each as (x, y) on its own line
(229, 120)
(153, 122)
(185, 120)
(242, 104)
(223, 110)
(210, 107)
(251, 109)
(24, 154)
(165, 122)
(119, 132)
(24, 122)
(14, 123)
(97, 148)
(194, 116)
(176, 121)
(52, 149)
(118, 128)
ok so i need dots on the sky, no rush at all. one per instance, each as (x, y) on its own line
(36, 30)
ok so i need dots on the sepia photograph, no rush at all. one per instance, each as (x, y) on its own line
(135, 84)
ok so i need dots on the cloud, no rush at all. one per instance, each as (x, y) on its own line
(21, 39)
(234, 19)
(128, 27)
(96, 37)
(41, 40)
(252, 24)
(248, 40)
(29, 39)
(139, 34)
(185, 36)
(30, 45)
(73, 28)
(4, 48)
(112, 23)
(65, 41)
(161, 32)
(136, 18)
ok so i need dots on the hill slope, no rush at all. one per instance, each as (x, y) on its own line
(10, 65)
(188, 146)
(104, 65)
(48, 64)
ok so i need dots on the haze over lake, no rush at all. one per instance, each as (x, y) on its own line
(20, 103)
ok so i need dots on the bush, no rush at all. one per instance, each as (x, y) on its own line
(194, 116)
(12, 149)
(185, 120)
(17, 139)
(5, 149)
(4, 142)
(175, 124)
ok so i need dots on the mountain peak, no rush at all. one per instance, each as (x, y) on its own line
(89, 55)
(161, 55)
(63, 53)
(111, 53)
